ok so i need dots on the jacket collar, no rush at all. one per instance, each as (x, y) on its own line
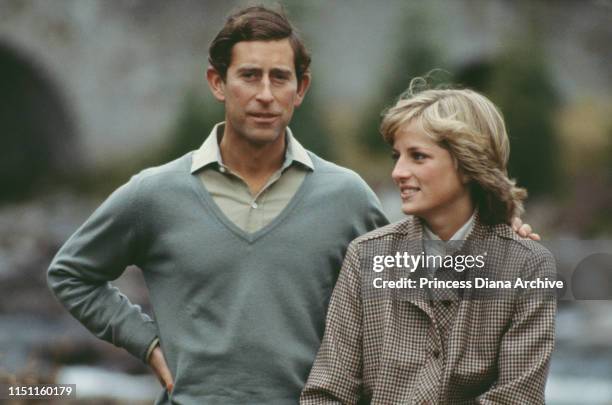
(412, 230)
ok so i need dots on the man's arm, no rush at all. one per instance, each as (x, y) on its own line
(98, 252)
(336, 375)
(365, 201)
(527, 346)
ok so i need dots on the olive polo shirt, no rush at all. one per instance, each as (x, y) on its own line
(231, 193)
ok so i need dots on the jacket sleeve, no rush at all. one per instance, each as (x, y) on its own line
(336, 376)
(98, 252)
(528, 344)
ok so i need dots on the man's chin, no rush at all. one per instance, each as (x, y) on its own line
(264, 138)
(263, 135)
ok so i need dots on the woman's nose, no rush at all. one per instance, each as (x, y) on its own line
(400, 171)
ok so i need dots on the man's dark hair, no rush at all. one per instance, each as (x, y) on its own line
(256, 23)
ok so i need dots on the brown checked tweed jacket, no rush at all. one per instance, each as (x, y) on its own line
(384, 348)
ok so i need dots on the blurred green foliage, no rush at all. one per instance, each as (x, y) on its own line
(519, 83)
(307, 126)
(195, 119)
(416, 54)
(517, 80)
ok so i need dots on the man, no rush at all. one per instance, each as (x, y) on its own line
(240, 242)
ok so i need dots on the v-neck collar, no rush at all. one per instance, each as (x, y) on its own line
(249, 237)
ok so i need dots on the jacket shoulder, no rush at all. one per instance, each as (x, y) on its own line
(528, 246)
(397, 229)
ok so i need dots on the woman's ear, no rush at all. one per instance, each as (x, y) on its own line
(465, 179)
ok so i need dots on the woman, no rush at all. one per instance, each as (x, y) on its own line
(381, 347)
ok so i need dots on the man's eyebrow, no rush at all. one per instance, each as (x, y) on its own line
(248, 68)
(285, 71)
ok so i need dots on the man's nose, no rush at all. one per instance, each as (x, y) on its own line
(264, 94)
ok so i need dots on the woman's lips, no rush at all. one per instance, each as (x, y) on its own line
(408, 192)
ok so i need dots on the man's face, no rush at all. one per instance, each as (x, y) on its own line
(260, 90)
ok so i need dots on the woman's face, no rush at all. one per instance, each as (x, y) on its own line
(429, 181)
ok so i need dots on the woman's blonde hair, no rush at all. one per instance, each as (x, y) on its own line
(472, 129)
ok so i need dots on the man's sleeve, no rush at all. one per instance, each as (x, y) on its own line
(527, 346)
(374, 215)
(336, 377)
(98, 252)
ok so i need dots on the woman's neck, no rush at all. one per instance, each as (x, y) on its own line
(446, 224)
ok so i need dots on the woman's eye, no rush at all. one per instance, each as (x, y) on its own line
(395, 156)
(418, 156)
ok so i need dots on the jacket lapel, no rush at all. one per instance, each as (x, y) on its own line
(412, 243)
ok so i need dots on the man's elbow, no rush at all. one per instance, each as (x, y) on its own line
(60, 280)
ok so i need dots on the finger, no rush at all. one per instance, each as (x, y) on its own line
(162, 370)
(525, 230)
(158, 376)
(534, 236)
(167, 377)
(516, 223)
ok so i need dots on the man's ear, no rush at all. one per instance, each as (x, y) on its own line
(302, 88)
(216, 83)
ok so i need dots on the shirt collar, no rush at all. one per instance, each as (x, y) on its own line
(210, 153)
(461, 234)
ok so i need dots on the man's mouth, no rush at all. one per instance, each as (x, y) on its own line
(263, 116)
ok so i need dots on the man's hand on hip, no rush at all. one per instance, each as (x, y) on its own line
(157, 362)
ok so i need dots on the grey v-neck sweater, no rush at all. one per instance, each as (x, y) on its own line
(239, 316)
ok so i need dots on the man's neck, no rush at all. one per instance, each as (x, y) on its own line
(255, 163)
